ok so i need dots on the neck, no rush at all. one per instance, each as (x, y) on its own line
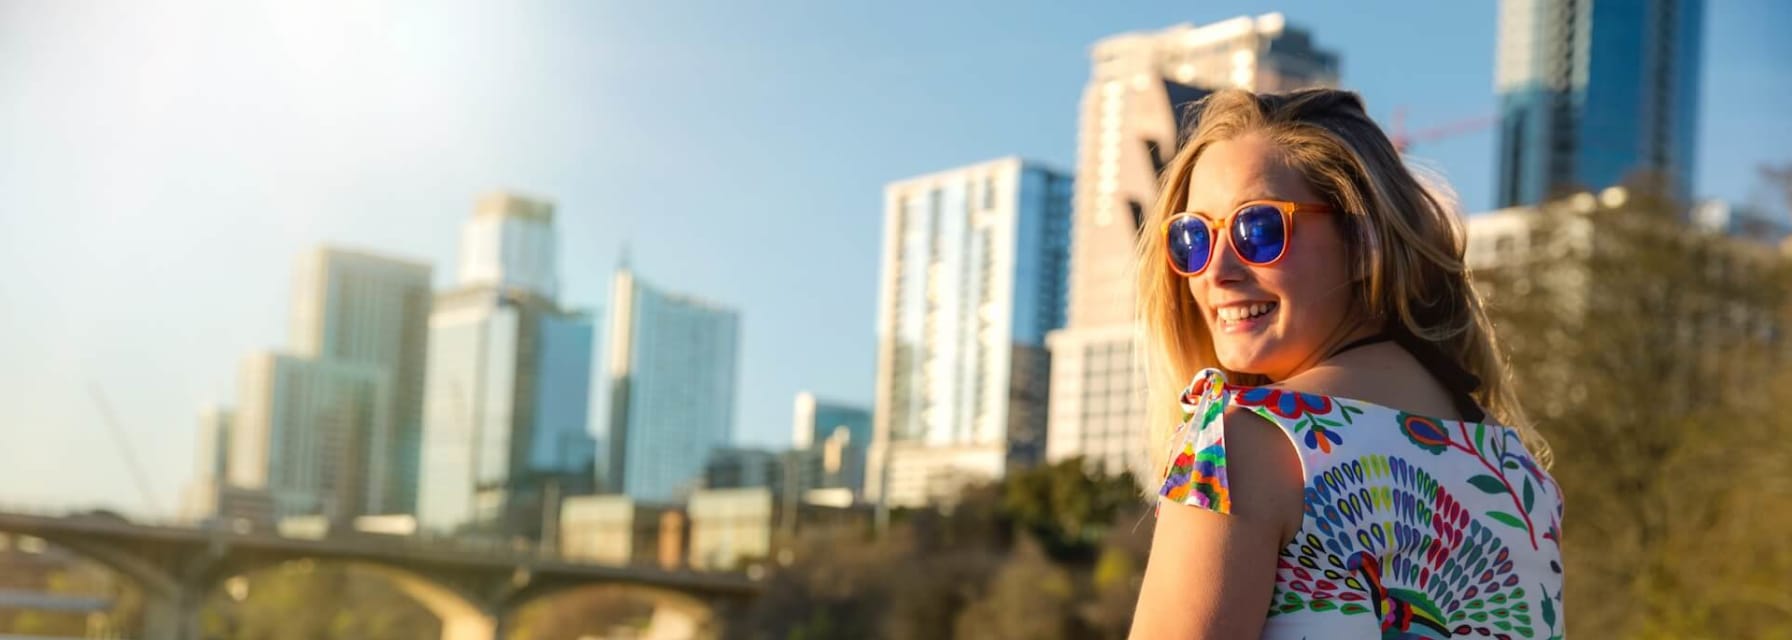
(1347, 333)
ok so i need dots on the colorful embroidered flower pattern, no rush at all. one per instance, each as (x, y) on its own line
(1197, 472)
(1421, 528)
(1284, 403)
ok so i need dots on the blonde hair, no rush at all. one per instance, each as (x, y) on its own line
(1404, 245)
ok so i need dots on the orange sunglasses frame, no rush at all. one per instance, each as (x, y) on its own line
(1287, 208)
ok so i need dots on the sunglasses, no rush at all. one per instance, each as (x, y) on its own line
(1259, 231)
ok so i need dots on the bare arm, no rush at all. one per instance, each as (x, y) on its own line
(1210, 575)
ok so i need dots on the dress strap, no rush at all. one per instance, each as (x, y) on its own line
(1361, 342)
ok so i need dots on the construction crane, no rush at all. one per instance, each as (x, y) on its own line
(1404, 140)
(1778, 179)
(125, 449)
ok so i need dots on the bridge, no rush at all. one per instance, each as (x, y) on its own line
(472, 588)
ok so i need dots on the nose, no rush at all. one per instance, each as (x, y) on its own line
(1225, 267)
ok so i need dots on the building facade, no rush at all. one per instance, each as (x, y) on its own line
(211, 464)
(1134, 114)
(672, 370)
(615, 529)
(354, 306)
(743, 529)
(841, 433)
(1593, 94)
(312, 433)
(975, 262)
(507, 429)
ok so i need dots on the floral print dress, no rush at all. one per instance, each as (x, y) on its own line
(1414, 527)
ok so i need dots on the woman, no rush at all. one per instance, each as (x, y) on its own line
(1346, 459)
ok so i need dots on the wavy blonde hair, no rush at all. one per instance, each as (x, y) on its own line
(1404, 245)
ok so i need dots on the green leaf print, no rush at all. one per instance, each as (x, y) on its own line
(1506, 518)
(1549, 613)
(1529, 498)
(1488, 484)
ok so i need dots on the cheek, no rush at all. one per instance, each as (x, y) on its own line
(1196, 290)
(1316, 280)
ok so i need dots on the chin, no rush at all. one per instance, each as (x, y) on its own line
(1254, 359)
(1242, 363)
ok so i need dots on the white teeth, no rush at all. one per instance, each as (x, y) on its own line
(1244, 312)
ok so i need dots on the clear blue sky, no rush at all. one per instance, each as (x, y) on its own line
(161, 165)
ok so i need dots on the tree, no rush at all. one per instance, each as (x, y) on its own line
(590, 612)
(1029, 598)
(1648, 353)
(1066, 507)
(308, 601)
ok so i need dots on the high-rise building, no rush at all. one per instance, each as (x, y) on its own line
(1595, 93)
(1135, 113)
(975, 261)
(841, 433)
(505, 413)
(353, 306)
(211, 455)
(203, 496)
(312, 433)
(672, 388)
(510, 244)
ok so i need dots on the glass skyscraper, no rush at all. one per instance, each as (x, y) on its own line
(1595, 93)
(975, 272)
(505, 415)
(311, 432)
(672, 362)
(354, 306)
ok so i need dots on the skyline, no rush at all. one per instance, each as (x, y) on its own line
(139, 146)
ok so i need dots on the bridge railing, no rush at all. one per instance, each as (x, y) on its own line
(421, 541)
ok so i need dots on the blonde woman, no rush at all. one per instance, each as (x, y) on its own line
(1342, 456)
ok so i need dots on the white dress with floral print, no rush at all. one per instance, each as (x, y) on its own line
(1414, 527)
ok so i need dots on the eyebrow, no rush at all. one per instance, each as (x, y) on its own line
(1233, 207)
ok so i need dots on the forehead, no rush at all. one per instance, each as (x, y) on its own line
(1249, 167)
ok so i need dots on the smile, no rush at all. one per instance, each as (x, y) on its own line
(1247, 311)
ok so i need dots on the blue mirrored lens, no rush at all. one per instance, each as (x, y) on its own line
(1190, 244)
(1258, 234)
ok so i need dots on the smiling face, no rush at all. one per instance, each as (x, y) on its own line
(1272, 320)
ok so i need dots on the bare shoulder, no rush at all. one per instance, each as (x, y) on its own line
(1265, 471)
(1340, 380)
(1211, 573)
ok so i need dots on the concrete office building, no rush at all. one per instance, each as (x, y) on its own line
(354, 306)
(1134, 108)
(975, 262)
